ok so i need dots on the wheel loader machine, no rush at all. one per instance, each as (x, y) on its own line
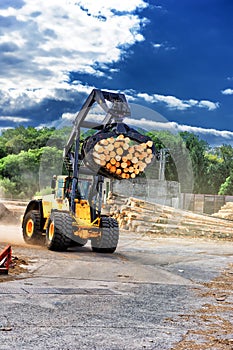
(71, 214)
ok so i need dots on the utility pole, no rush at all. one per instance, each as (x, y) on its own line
(162, 163)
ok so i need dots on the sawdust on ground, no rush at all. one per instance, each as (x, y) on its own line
(213, 328)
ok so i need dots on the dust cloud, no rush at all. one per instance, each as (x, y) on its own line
(10, 227)
(11, 234)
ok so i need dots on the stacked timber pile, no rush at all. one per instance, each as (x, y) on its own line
(150, 218)
(122, 157)
(226, 212)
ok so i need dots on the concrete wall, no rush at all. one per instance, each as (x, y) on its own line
(156, 191)
(168, 193)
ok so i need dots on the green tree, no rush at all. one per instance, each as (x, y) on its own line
(219, 167)
(214, 172)
(13, 141)
(197, 149)
(24, 170)
(178, 161)
(227, 187)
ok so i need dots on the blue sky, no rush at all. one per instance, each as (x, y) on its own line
(173, 59)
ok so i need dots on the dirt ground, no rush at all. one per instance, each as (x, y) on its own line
(17, 267)
(208, 327)
(215, 331)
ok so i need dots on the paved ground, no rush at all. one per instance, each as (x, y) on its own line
(153, 293)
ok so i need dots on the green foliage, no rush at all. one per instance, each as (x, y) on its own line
(219, 167)
(13, 141)
(43, 191)
(227, 187)
(51, 162)
(20, 172)
(196, 149)
(8, 188)
(29, 157)
(178, 161)
(192, 162)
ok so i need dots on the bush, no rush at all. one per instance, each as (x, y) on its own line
(227, 187)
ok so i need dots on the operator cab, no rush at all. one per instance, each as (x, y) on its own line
(62, 185)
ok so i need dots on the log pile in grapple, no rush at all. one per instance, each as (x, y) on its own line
(122, 156)
(118, 155)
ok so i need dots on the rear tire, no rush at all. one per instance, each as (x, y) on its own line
(59, 231)
(107, 242)
(31, 228)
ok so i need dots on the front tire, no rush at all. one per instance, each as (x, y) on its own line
(31, 228)
(59, 231)
(107, 242)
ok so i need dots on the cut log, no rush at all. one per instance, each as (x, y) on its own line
(149, 143)
(119, 151)
(134, 160)
(118, 157)
(125, 146)
(110, 147)
(112, 169)
(120, 137)
(112, 154)
(98, 148)
(103, 142)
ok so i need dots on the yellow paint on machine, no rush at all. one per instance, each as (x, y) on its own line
(82, 210)
(49, 203)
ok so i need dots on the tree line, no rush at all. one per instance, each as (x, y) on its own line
(30, 156)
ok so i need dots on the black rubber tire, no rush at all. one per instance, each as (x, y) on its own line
(31, 228)
(59, 231)
(107, 242)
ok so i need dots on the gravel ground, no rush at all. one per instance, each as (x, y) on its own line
(153, 293)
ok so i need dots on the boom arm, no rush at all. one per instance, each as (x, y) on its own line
(116, 113)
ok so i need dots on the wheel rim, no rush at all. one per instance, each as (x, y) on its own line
(51, 231)
(29, 228)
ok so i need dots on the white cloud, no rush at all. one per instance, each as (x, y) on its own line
(164, 46)
(49, 39)
(148, 124)
(68, 116)
(14, 119)
(208, 104)
(175, 127)
(157, 46)
(227, 92)
(173, 102)
(105, 8)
